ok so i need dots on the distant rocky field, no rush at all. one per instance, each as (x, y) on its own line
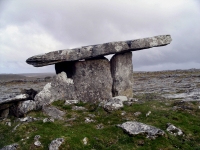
(174, 84)
(13, 84)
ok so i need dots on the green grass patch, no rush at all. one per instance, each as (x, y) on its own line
(110, 137)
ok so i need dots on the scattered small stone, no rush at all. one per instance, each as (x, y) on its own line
(55, 144)
(133, 99)
(8, 124)
(114, 103)
(88, 120)
(100, 126)
(69, 102)
(149, 112)
(28, 119)
(174, 130)
(137, 113)
(48, 120)
(85, 141)
(37, 142)
(37, 137)
(78, 108)
(134, 128)
(123, 113)
(11, 147)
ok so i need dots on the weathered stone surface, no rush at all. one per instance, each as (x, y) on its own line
(70, 102)
(15, 99)
(134, 128)
(174, 130)
(89, 81)
(92, 80)
(37, 142)
(115, 103)
(60, 88)
(26, 106)
(19, 109)
(55, 144)
(122, 74)
(10, 147)
(53, 112)
(98, 50)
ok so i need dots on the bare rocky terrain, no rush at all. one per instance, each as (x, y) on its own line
(174, 84)
(13, 84)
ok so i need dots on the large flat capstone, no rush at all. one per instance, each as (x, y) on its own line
(93, 51)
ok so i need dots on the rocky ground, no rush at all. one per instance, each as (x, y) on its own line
(164, 112)
(13, 84)
(176, 84)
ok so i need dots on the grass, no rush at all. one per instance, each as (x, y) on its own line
(110, 137)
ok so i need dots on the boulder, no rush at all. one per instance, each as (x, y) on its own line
(134, 128)
(122, 74)
(93, 51)
(53, 112)
(55, 144)
(60, 88)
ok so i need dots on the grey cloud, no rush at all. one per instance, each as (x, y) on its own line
(78, 23)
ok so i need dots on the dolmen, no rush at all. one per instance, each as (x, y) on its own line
(85, 74)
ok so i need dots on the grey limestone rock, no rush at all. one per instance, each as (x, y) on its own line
(134, 128)
(55, 144)
(115, 103)
(69, 102)
(37, 142)
(60, 88)
(92, 80)
(174, 130)
(122, 74)
(53, 112)
(26, 106)
(48, 120)
(93, 51)
(10, 147)
(15, 99)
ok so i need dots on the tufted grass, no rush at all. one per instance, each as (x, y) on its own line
(110, 137)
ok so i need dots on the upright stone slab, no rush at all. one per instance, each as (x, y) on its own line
(122, 74)
(92, 80)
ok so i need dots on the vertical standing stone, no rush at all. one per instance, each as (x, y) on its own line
(122, 74)
(92, 80)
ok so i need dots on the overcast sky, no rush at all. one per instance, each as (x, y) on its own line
(31, 27)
